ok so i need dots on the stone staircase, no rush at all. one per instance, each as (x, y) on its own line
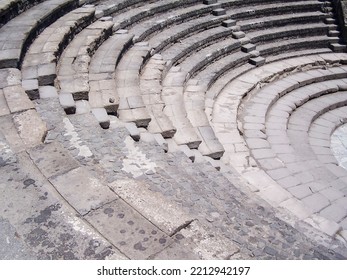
(162, 119)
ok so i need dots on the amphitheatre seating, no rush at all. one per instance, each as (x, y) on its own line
(224, 105)
(103, 92)
(17, 34)
(150, 84)
(39, 64)
(253, 83)
(12, 8)
(275, 123)
(73, 73)
(132, 107)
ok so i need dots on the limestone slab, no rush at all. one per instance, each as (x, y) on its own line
(127, 230)
(166, 215)
(30, 128)
(17, 99)
(82, 191)
(52, 159)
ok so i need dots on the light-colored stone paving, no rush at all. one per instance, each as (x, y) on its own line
(172, 130)
(339, 145)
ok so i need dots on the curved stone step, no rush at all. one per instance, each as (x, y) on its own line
(39, 63)
(73, 65)
(150, 84)
(12, 8)
(132, 107)
(173, 97)
(17, 34)
(103, 93)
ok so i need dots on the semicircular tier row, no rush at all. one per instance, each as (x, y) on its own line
(244, 84)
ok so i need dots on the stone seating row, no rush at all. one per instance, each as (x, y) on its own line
(39, 64)
(236, 151)
(11, 8)
(17, 34)
(222, 107)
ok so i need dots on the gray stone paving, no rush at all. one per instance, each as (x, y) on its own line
(339, 145)
(131, 154)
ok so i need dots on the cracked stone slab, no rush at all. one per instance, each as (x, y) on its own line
(207, 245)
(43, 222)
(17, 99)
(83, 191)
(7, 156)
(4, 110)
(165, 214)
(52, 159)
(31, 128)
(129, 231)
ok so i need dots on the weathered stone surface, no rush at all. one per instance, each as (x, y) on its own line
(102, 117)
(68, 103)
(52, 159)
(128, 230)
(17, 100)
(30, 128)
(168, 217)
(4, 110)
(82, 191)
(48, 92)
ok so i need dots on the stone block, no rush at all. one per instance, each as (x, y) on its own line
(219, 12)
(48, 92)
(82, 191)
(188, 152)
(67, 102)
(316, 202)
(129, 231)
(239, 35)
(229, 23)
(102, 117)
(17, 99)
(31, 129)
(52, 159)
(257, 61)
(336, 47)
(152, 205)
(248, 48)
(133, 131)
(46, 74)
(334, 212)
(31, 88)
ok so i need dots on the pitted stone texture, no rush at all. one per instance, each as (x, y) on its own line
(152, 205)
(7, 156)
(52, 159)
(17, 100)
(82, 191)
(30, 128)
(128, 230)
(48, 228)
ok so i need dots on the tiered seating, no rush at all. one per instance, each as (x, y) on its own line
(195, 71)
(12, 8)
(39, 64)
(17, 34)
(274, 124)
